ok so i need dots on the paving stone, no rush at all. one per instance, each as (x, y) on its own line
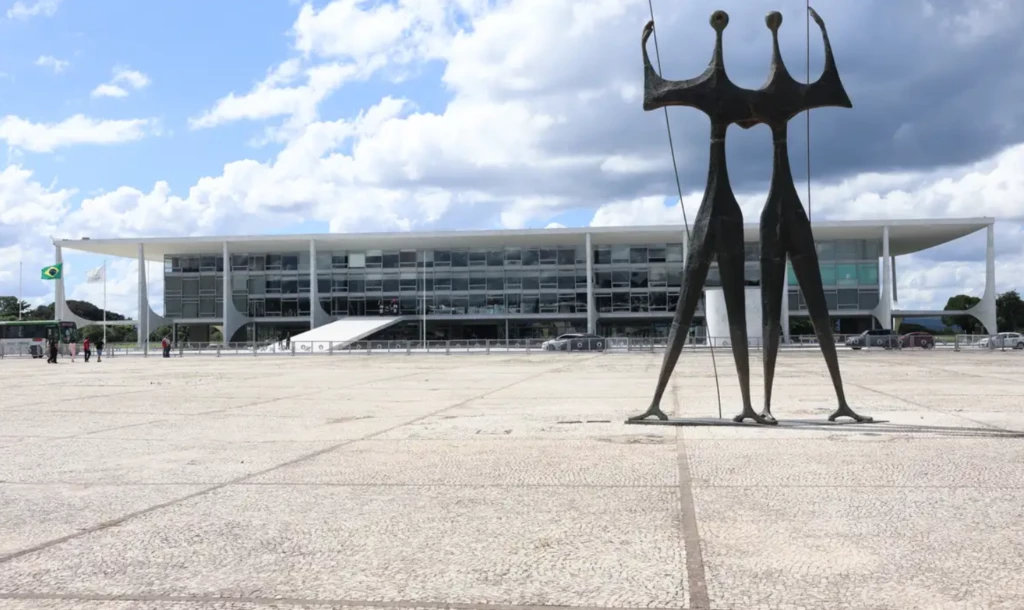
(334, 481)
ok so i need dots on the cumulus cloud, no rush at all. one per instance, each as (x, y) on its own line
(123, 80)
(48, 61)
(26, 10)
(278, 95)
(78, 129)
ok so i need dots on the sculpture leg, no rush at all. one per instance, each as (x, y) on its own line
(804, 259)
(698, 259)
(773, 285)
(730, 266)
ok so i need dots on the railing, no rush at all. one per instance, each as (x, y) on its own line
(487, 346)
(989, 342)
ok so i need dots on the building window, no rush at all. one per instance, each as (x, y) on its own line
(867, 274)
(846, 274)
(826, 250)
(828, 274)
(620, 254)
(674, 253)
(868, 299)
(407, 258)
(849, 249)
(872, 249)
(848, 298)
(478, 258)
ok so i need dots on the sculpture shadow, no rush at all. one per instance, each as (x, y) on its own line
(876, 428)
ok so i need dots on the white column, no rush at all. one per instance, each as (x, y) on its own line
(895, 292)
(227, 303)
(985, 310)
(591, 301)
(143, 315)
(58, 288)
(314, 299)
(785, 303)
(883, 311)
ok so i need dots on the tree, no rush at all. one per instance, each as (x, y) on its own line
(10, 307)
(967, 324)
(800, 326)
(1009, 311)
(911, 327)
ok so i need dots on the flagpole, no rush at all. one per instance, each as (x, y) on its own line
(104, 302)
(21, 291)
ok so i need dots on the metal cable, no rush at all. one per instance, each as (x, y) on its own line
(807, 14)
(686, 224)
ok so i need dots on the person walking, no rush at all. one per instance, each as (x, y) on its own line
(53, 351)
(86, 349)
(99, 350)
(166, 345)
(72, 346)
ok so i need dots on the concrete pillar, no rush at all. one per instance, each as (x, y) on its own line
(143, 315)
(985, 310)
(785, 305)
(591, 301)
(883, 311)
(895, 293)
(314, 300)
(58, 288)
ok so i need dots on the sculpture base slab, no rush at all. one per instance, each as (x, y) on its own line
(782, 423)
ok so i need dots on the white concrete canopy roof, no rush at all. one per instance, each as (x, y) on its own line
(905, 237)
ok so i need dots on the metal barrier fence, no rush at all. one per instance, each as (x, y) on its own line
(467, 346)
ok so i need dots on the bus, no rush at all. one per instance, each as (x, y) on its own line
(19, 337)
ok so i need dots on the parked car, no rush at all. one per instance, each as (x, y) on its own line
(879, 337)
(575, 342)
(1005, 340)
(917, 339)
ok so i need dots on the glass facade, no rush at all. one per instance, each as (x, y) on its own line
(507, 281)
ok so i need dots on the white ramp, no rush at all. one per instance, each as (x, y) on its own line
(335, 335)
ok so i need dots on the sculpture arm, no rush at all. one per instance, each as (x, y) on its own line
(659, 92)
(828, 90)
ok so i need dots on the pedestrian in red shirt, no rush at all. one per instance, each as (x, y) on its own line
(86, 349)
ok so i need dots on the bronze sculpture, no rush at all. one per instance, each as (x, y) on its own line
(718, 228)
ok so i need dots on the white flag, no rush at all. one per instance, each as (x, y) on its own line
(96, 276)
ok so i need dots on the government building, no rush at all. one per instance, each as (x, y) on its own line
(612, 281)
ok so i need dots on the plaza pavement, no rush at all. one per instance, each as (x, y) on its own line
(507, 482)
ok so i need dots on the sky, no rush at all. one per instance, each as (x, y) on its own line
(123, 118)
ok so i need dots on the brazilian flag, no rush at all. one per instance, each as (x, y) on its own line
(53, 272)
